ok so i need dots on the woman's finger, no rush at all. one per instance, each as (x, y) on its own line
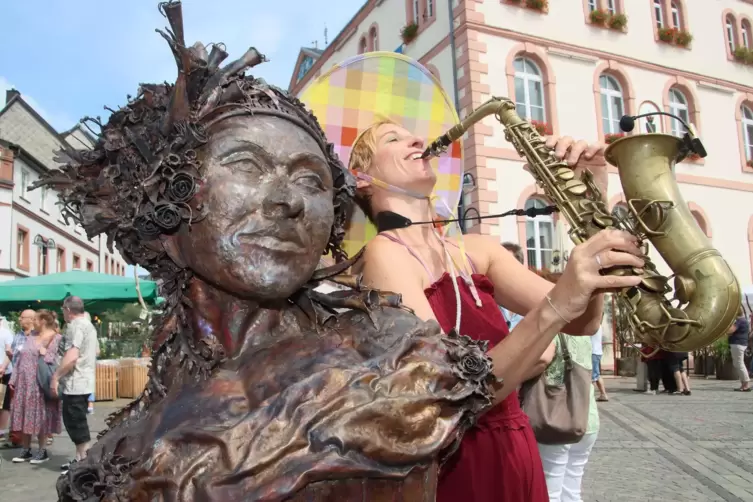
(606, 282)
(611, 258)
(563, 145)
(593, 150)
(576, 150)
(612, 239)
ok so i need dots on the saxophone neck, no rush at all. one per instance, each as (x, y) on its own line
(501, 107)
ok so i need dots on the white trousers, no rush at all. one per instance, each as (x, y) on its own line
(738, 361)
(564, 466)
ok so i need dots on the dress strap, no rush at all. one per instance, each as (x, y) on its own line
(473, 266)
(413, 253)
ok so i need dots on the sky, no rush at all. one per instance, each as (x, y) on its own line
(70, 58)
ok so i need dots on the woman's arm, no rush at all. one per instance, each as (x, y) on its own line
(540, 366)
(521, 290)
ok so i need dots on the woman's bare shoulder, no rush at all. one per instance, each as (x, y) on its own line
(383, 254)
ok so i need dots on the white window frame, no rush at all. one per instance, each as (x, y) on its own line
(730, 34)
(612, 7)
(528, 80)
(592, 5)
(20, 255)
(746, 36)
(429, 8)
(374, 38)
(538, 222)
(747, 123)
(676, 21)
(416, 11)
(678, 105)
(43, 198)
(610, 113)
(24, 183)
(659, 12)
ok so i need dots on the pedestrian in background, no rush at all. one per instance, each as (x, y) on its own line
(75, 375)
(738, 341)
(596, 352)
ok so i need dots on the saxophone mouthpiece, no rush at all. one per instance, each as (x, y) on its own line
(437, 147)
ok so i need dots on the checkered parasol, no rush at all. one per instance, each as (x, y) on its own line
(364, 89)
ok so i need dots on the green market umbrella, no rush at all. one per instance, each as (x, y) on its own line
(100, 292)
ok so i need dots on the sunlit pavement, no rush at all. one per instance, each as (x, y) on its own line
(662, 448)
(673, 448)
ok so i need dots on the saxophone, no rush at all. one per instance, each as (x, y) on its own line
(706, 294)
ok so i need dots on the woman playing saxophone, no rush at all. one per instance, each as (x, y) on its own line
(499, 459)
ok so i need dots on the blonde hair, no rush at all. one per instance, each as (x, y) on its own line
(48, 317)
(362, 157)
(364, 149)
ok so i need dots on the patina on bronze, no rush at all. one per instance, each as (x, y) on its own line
(260, 390)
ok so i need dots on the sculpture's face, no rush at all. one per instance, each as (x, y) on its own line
(268, 194)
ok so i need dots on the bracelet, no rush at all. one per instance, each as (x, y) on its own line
(551, 304)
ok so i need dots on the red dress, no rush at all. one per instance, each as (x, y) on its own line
(498, 460)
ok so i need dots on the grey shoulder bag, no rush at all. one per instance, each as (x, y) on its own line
(559, 413)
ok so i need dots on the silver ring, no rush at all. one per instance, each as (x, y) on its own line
(598, 260)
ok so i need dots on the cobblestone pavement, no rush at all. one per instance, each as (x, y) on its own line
(650, 448)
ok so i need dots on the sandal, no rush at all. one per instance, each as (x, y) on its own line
(743, 390)
(602, 399)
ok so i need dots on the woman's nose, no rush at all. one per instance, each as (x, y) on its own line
(417, 142)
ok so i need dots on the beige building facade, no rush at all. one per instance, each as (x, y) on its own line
(34, 237)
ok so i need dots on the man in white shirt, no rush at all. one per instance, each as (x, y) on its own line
(75, 375)
(596, 353)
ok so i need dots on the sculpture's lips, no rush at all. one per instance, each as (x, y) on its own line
(275, 237)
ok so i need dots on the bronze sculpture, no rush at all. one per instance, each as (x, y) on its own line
(259, 389)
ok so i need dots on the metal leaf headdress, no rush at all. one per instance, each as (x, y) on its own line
(139, 180)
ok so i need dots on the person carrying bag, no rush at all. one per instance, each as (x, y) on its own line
(565, 417)
(559, 412)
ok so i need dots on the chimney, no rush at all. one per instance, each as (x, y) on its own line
(10, 94)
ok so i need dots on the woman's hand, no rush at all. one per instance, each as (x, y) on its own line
(42, 351)
(582, 278)
(581, 155)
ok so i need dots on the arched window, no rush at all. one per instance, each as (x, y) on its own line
(676, 23)
(678, 105)
(592, 5)
(612, 104)
(374, 38)
(659, 13)
(731, 39)
(612, 7)
(747, 34)
(652, 123)
(362, 45)
(539, 237)
(529, 90)
(748, 131)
